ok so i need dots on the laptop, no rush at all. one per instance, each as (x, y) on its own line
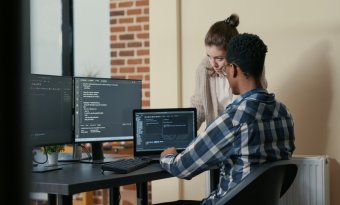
(157, 129)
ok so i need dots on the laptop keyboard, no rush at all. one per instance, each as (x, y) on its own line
(124, 166)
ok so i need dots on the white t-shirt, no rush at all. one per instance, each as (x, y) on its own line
(222, 93)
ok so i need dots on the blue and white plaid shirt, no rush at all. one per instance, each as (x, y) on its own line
(253, 129)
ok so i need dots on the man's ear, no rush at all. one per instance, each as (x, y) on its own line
(234, 71)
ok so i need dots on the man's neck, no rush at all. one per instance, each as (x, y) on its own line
(248, 84)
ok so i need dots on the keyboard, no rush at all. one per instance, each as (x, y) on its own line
(124, 166)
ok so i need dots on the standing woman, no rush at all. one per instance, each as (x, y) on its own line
(210, 97)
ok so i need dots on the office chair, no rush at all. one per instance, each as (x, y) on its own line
(263, 186)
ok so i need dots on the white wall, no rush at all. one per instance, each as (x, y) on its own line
(165, 77)
(302, 66)
(165, 80)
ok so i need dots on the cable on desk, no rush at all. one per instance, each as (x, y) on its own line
(36, 161)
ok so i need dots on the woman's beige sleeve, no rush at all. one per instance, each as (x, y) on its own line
(198, 98)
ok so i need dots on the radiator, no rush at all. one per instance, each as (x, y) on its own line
(311, 185)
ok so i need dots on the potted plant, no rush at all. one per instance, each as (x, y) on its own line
(52, 152)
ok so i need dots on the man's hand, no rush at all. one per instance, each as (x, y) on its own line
(171, 150)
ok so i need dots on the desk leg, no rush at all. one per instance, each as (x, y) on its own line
(51, 199)
(65, 200)
(114, 196)
(142, 193)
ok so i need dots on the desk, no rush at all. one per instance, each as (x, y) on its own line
(81, 177)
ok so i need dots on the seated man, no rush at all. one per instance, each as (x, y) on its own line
(254, 129)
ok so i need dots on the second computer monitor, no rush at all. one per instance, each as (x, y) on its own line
(103, 108)
(49, 110)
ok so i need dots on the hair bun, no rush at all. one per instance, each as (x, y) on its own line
(233, 20)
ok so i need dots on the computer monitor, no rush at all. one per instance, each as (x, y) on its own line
(103, 111)
(50, 104)
(50, 110)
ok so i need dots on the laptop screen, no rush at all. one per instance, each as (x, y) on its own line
(158, 129)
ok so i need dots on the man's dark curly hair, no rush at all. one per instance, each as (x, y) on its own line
(247, 51)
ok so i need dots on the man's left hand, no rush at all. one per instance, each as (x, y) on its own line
(168, 151)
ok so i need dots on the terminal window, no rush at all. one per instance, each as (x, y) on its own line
(161, 130)
(103, 108)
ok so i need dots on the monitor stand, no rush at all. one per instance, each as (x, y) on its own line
(75, 156)
(98, 155)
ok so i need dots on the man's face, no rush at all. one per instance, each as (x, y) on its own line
(216, 58)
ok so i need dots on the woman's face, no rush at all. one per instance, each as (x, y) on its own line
(216, 57)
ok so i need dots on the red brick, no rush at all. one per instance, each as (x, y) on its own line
(134, 28)
(142, 3)
(146, 27)
(134, 44)
(146, 11)
(117, 29)
(142, 19)
(118, 62)
(147, 94)
(146, 85)
(117, 45)
(117, 13)
(135, 77)
(126, 37)
(113, 5)
(127, 53)
(143, 35)
(113, 21)
(125, 4)
(127, 70)
(143, 69)
(146, 44)
(145, 103)
(134, 12)
(134, 61)
(125, 20)
(143, 52)
(113, 53)
(147, 61)
(113, 37)
(146, 77)
(114, 70)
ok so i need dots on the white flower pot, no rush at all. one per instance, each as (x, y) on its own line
(53, 158)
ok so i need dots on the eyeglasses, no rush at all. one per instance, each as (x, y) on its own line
(213, 73)
(224, 70)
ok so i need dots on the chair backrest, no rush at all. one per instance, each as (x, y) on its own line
(263, 186)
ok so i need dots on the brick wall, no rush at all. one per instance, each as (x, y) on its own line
(129, 20)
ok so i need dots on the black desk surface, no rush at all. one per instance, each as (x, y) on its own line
(82, 177)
